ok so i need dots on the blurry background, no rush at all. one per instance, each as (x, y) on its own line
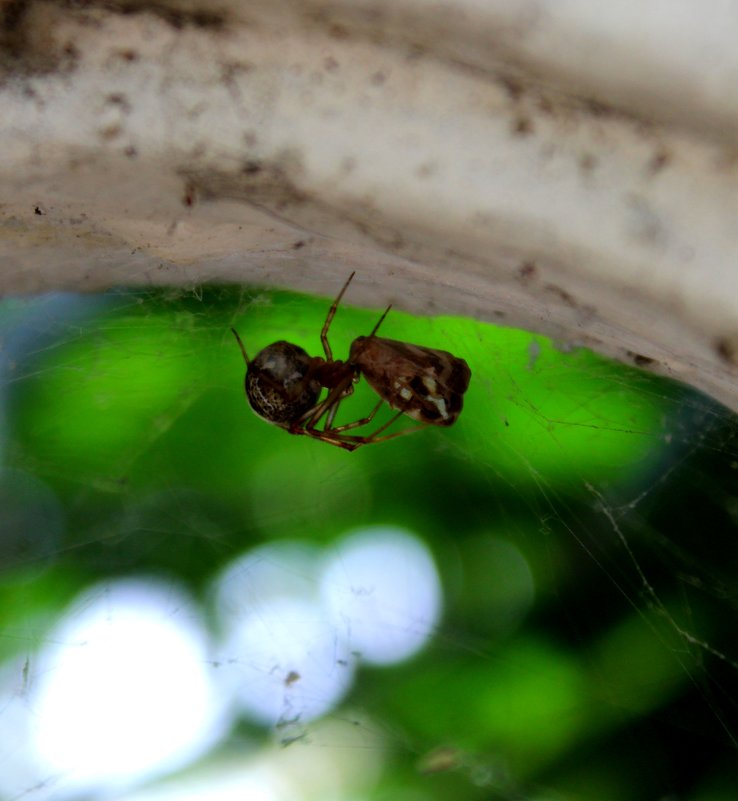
(539, 603)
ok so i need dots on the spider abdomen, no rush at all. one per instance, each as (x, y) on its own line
(280, 385)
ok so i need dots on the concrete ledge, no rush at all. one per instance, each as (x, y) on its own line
(563, 167)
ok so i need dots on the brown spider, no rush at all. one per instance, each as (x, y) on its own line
(283, 384)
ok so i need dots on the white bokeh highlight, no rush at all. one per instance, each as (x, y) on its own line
(123, 692)
(295, 622)
(290, 664)
(127, 687)
(281, 655)
(382, 592)
(285, 569)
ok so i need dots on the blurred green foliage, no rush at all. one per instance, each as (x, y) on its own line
(561, 666)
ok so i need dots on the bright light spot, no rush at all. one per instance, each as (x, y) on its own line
(276, 570)
(254, 783)
(123, 691)
(17, 728)
(284, 659)
(383, 593)
(293, 625)
(290, 663)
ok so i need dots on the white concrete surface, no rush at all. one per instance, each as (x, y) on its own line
(559, 165)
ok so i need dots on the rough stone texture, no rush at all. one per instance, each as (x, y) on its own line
(562, 166)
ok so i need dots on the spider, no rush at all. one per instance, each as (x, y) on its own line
(283, 384)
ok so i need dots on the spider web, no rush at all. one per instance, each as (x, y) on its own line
(581, 518)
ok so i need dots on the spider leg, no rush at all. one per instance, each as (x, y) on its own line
(387, 425)
(332, 415)
(351, 442)
(330, 404)
(356, 424)
(370, 440)
(240, 345)
(310, 419)
(329, 320)
(373, 437)
(339, 440)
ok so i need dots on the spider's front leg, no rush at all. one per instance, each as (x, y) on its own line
(329, 320)
(308, 422)
(356, 423)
